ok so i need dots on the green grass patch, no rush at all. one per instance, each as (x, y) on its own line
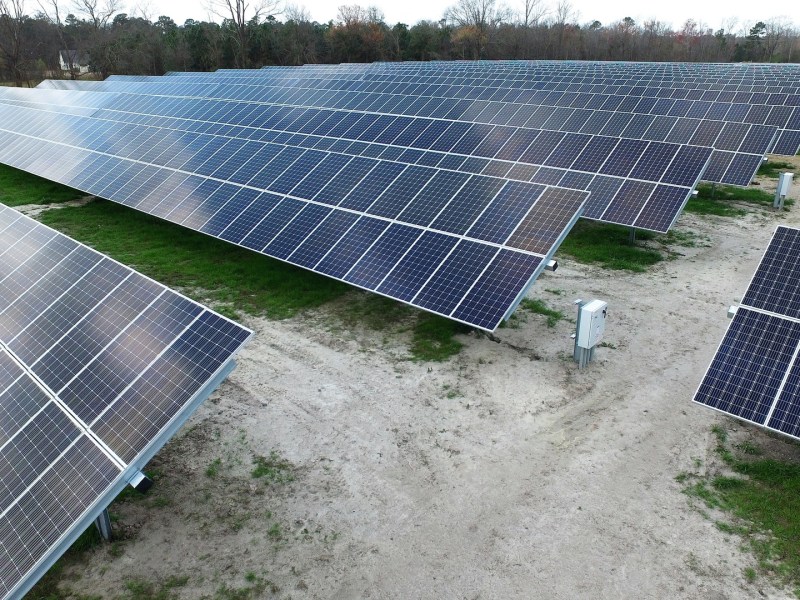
(773, 168)
(433, 338)
(762, 497)
(720, 200)
(18, 188)
(610, 247)
(540, 308)
(272, 468)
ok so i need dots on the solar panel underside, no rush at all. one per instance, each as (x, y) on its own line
(98, 364)
(644, 184)
(459, 244)
(755, 374)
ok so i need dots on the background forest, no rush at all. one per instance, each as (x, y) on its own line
(103, 39)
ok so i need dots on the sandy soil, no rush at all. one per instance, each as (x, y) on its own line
(505, 472)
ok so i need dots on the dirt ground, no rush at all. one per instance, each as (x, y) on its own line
(505, 472)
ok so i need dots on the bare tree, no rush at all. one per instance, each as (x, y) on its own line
(12, 13)
(476, 20)
(52, 14)
(533, 12)
(98, 14)
(240, 14)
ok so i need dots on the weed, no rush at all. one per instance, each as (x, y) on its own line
(761, 496)
(433, 338)
(716, 200)
(609, 345)
(750, 574)
(275, 532)
(273, 469)
(138, 589)
(213, 469)
(540, 308)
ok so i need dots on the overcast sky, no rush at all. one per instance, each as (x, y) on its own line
(713, 13)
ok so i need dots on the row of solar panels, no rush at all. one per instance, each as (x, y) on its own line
(99, 366)
(780, 110)
(441, 125)
(459, 244)
(634, 116)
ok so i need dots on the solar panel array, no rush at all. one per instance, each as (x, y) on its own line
(462, 245)
(739, 147)
(98, 367)
(612, 169)
(294, 162)
(755, 374)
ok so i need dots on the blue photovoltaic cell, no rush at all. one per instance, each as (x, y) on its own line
(503, 215)
(506, 278)
(280, 216)
(468, 204)
(744, 376)
(661, 208)
(81, 331)
(414, 269)
(454, 278)
(352, 246)
(322, 239)
(296, 231)
(776, 284)
(786, 414)
(383, 255)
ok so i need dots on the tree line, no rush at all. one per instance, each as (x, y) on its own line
(100, 35)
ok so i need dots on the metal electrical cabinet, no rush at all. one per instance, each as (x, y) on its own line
(592, 323)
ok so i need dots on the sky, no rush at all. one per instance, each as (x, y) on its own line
(732, 15)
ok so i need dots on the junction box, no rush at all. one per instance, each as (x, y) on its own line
(589, 329)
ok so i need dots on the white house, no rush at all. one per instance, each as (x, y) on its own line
(71, 59)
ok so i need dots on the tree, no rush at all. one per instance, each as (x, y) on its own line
(12, 39)
(475, 20)
(240, 17)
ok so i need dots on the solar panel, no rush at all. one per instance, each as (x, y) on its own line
(738, 147)
(99, 366)
(755, 374)
(570, 91)
(544, 157)
(283, 210)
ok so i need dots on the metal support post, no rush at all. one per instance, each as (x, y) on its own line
(103, 524)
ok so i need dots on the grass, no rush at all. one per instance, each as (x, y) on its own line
(272, 468)
(761, 495)
(18, 188)
(540, 308)
(716, 200)
(773, 168)
(610, 246)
